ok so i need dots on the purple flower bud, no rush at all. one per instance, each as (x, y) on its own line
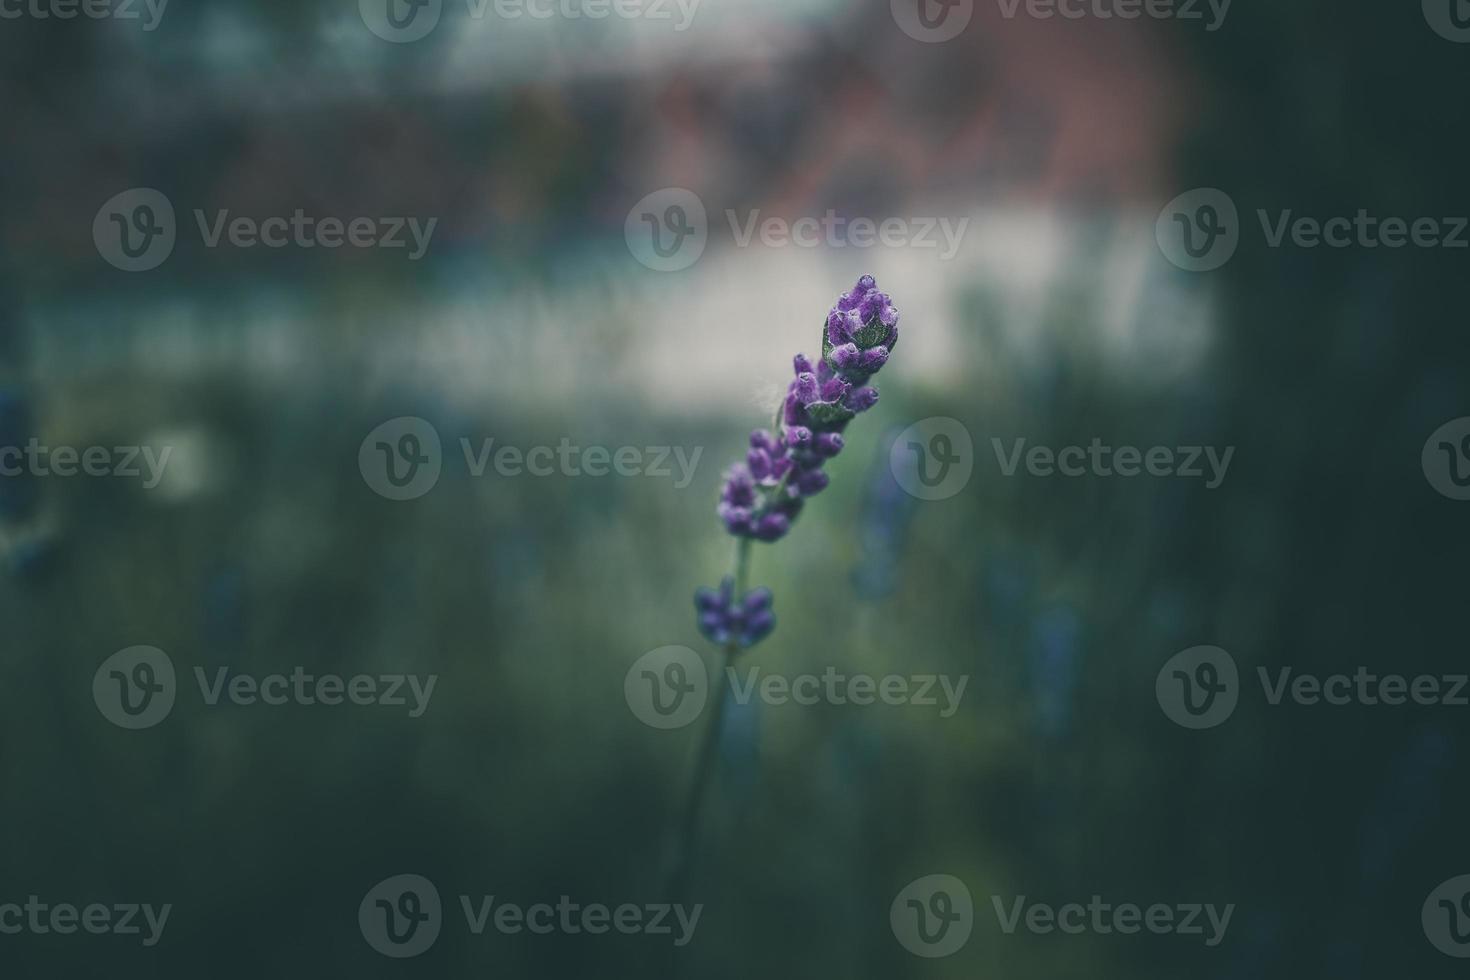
(707, 600)
(874, 358)
(779, 466)
(811, 482)
(846, 356)
(802, 364)
(891, 341)
(762, 439)
(756, 600)
(736, 519)
(824, 371)
(889, 316)
(773, 527)
(861, 399)
(834, 388)
(793, 415)
(759, 462)
(757, 628)
(839, 328)
(805, 386)
(828, 444)
(739, 486)
(847, 301)
(854, 324)
(866, 283)
(798, 435)
(872, 304)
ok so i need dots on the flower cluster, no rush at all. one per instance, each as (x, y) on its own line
(723, 620)
(763, 495)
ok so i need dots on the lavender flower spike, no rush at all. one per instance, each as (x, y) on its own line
(762, 496)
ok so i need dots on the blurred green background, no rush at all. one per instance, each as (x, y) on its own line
(530, 321)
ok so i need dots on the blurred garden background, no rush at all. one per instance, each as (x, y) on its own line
(529, 320)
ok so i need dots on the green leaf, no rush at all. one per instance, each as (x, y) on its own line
(871, 335)
(826, 413)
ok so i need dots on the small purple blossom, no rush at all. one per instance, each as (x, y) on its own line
(873, 359)
(833, 389)
(846, 356)
(773, 526)
(723, 620)
(828, 444)
(861, 399)
(812, 482)
(759, 462)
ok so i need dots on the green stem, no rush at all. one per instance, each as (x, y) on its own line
(705, 761)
